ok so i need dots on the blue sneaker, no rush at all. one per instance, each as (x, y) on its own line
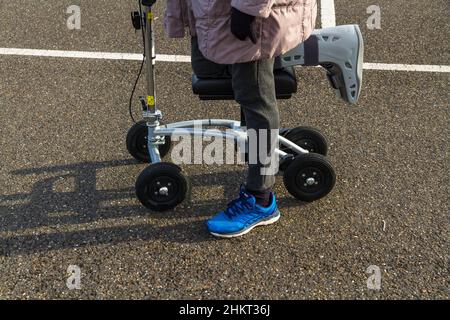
(242, 215)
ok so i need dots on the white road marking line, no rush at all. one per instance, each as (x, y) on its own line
(406, 67)
(172, 58)
(70, 54)
(184, 58)
(327, 13)
(89, 55)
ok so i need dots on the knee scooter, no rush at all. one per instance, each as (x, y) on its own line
(308, 175)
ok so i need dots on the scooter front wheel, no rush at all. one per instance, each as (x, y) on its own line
(137, 144)
(162, 186)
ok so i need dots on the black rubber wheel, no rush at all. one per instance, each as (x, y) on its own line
(309, 177)
(162, 186)
(137, 143)
(307, 138)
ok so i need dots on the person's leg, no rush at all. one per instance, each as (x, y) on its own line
(254, 89)
(204, 68)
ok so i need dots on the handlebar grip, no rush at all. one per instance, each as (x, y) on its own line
(148, 3)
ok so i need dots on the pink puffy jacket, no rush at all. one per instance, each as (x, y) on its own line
(280, 25)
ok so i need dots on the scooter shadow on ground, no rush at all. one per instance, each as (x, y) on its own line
(27, 220)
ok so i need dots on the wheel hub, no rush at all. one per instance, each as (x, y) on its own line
(142, 143)
(309, 179)
(308, 144)
(162, 189)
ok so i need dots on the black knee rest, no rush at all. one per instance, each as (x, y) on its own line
(221, 89)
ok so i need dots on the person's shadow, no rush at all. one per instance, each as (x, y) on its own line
(27, 219)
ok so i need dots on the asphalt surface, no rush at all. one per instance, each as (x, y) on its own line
(67, 195)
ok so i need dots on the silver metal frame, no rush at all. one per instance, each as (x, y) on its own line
(152, 115)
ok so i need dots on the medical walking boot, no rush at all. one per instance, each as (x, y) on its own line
(340, 50)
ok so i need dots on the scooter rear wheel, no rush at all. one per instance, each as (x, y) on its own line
(307, 138)
(309, 177)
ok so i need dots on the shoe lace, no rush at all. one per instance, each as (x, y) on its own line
(237, 206)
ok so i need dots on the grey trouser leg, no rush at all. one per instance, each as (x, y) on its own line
(254, 90)
(204, 68)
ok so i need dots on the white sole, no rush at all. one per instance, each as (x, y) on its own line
(261, 223)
